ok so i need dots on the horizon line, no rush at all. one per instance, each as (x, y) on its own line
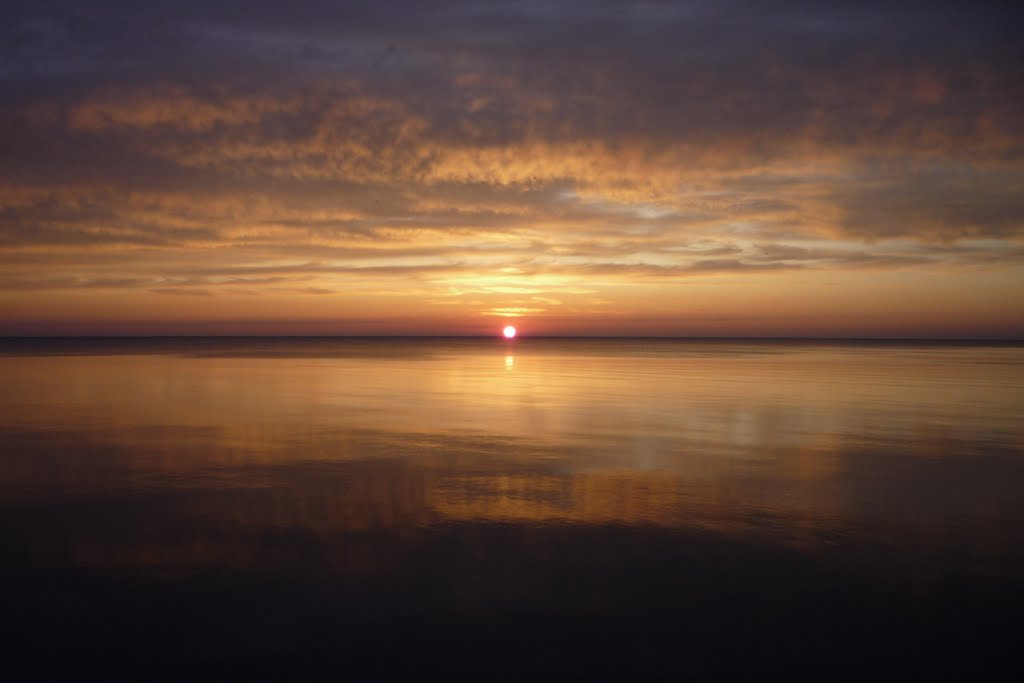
(520, 337)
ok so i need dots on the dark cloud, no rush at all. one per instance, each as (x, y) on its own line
(944, 202)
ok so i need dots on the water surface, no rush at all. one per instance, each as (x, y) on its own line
(619, 507)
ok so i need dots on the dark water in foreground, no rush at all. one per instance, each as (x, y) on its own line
(557, 507)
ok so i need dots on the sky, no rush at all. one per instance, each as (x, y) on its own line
(582, 167)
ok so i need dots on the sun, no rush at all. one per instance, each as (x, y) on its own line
(509, 332)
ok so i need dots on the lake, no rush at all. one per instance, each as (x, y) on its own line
(542, 507)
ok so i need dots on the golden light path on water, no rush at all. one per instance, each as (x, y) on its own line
(666, 434)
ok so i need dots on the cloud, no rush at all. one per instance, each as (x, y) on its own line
(941, 202)
(202, 146)
(181, 291)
